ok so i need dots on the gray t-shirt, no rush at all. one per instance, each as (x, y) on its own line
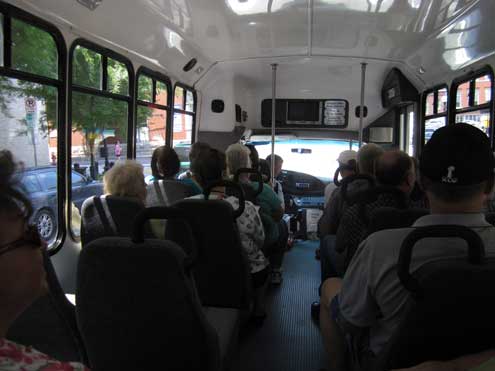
(372, 295)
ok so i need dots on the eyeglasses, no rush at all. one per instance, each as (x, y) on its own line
(31, 238)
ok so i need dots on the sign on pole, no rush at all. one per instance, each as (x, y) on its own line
(30, 104)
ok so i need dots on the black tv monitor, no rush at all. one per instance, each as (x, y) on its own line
(303, 111)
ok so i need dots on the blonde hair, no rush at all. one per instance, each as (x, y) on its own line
(237, 157)
(125, 179)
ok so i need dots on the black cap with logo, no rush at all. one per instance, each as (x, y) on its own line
(458, 154)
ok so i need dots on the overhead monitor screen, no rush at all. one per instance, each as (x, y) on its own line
(303, 111)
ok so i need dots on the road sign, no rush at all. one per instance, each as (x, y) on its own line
(30, 104)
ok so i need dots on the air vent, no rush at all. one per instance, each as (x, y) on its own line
(189, 65)
(90, 4)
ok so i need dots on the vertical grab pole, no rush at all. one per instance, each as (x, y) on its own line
(274, 95)
(361, 108)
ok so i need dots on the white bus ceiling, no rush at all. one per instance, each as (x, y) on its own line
(318, 44)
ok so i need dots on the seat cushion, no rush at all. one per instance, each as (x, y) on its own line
(226, 322)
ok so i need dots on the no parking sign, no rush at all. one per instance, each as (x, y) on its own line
(30, 104)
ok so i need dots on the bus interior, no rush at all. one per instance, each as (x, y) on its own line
(85, 84)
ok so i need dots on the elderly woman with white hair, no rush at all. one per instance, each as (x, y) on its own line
(271, 211)
(126, 179)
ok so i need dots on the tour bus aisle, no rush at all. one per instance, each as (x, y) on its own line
(288, 340)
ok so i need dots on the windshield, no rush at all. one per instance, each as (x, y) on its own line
(317, 157)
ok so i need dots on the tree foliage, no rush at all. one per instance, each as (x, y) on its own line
(35, 51)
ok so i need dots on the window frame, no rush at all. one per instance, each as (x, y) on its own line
(424, 117)
(8, 12)
(471, 78)
(183, 110)
(155, 77)
(104, 93)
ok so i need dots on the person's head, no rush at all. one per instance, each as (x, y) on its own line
(22, 275)
(211, 166)
(396, 169)
(278, 164)
(366, 158)
(125, 179)
(238, 157)
(347, 163)
(165, 163)
(457, 169)
(195, 153)
(254, 156)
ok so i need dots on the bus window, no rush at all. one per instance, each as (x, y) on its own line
(118, 77)
(29, 118)
(100, 118)
(483, 86)
(86, 68)
(307, 155)
(25, 39)
(462, 96)
(152, 116)
(145, 88)
(442, 100)
(407, 125)
(1, 40)
(429, 104)
(411, 129)
(435, 111)
(473, 105)
(183, 123)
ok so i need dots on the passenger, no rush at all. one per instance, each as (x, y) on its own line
(347, 166)
(254, 157)
(165, 165)
(366, 158)
(271, 212)
(278, 169)
(210, 169)
(198, 149)
(330, 220)
(264, 169)
(394, 169)
(22, 275)
(126, 179)
(457, 174)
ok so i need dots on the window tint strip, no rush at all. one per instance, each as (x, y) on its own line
(7, 36)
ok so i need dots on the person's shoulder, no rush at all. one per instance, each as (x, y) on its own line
(387, 239)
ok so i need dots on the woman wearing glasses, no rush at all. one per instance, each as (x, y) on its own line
(22, 276)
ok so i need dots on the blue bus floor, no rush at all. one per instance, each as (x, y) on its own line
(288, 339)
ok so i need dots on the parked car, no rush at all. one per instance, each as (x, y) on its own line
(40, 184)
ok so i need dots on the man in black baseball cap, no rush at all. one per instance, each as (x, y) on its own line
(457, 174)
(457, 164)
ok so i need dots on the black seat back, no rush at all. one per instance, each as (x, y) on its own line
(250, 194)
(137, 305)
(450, 310)
(490, 217)
(362, 199)
(222, 269)
(166, 192)
(345, 183)
(392, 218)
(107, 216)
(49, 324)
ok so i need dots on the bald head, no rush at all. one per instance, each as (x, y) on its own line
(396, 169)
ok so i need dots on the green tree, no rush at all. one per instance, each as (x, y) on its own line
(34, 50)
